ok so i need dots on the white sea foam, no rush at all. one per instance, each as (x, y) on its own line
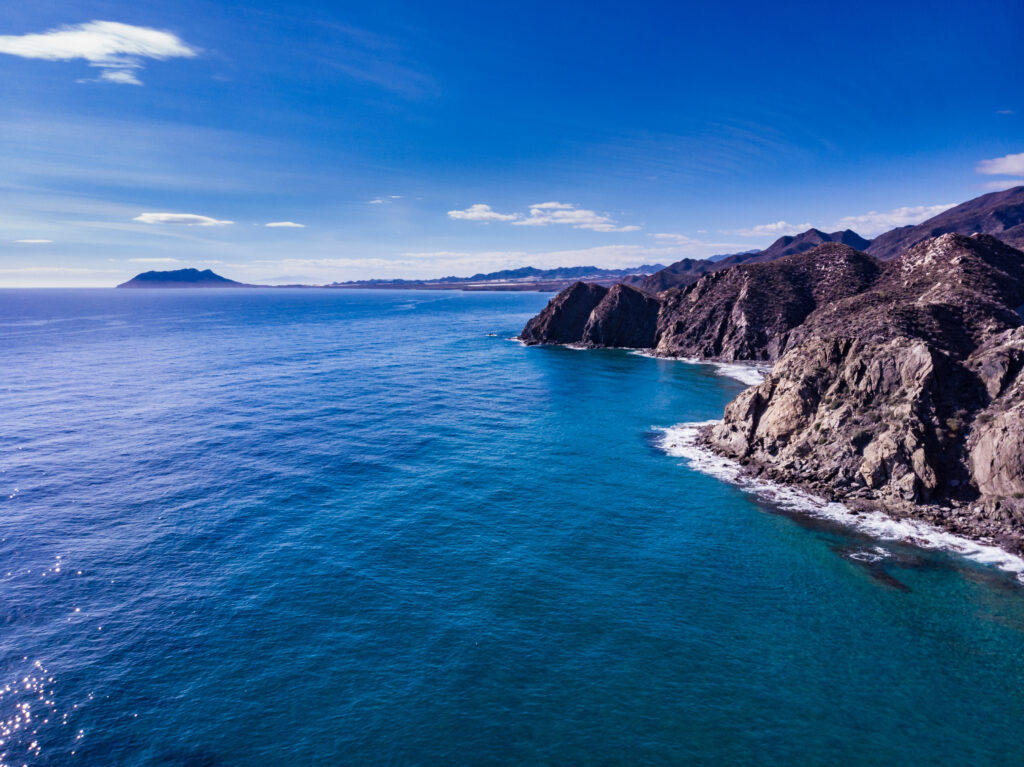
(681, 441)
(750, 373)
(876, 554)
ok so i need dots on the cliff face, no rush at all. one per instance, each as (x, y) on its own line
(562, 321)
(896, 385)
(689, 270)
(625, 317)
(748, 312)
(908, 395)
(742, 313)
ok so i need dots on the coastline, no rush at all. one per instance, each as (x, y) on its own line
(684, 441)
(749, 373)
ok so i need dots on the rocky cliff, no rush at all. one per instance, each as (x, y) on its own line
(897, 386)
(624, 317)
(908, 395)
(562, 321)
(748, 312)
(689, 270)
(742, 313)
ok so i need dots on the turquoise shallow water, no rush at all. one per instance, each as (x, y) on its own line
(310, 527)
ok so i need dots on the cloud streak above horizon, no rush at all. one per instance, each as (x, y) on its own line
(180, 219)
(545, 214)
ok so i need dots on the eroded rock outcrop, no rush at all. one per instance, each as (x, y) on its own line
(748, 312)
(742, 313)
(908, 395)
(625, 317)
(897, 386)
(562, 321)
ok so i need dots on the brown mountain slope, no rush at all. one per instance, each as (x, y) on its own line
(742, 313)
(747, 312)
(1000, 214)
(689, 270)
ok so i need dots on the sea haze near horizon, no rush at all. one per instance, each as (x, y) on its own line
(355, 527)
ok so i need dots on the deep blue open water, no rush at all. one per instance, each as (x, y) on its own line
(325, 527)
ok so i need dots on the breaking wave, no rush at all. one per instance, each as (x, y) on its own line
(681, 441)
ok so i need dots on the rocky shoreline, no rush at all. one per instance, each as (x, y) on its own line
(894, 387)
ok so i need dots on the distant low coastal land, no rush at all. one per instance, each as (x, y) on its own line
(525, 278)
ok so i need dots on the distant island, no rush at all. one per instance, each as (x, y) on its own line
(182, 278)
(527, 278)
(898, 364)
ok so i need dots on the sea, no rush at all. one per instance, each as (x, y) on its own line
(342, 527)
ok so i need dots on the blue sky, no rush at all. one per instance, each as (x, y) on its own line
(426, 139)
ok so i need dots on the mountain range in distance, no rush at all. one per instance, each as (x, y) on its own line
(525, 278)
(1000, 214)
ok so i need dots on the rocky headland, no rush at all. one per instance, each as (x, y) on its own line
(895, 385)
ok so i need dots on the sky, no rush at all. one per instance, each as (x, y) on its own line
(320, 141)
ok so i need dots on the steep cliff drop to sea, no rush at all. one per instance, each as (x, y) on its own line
(896, 387)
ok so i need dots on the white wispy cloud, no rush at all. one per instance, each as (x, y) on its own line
(56, 270)
(186, 219)
(1006, 183)
(867, 224)
(674, 237)
(1008, 165)
(284, 225)
(874, 223)
(33, 242)
(1004, 111)
(154, 261)
(118, 49)
(481, 212)
(119, 76)
(775, 229)
(545, 214)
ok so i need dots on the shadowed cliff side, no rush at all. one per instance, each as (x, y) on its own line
(747, 312)
(742, 313)
(562, 321)
(897, 386)
(625, 317)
